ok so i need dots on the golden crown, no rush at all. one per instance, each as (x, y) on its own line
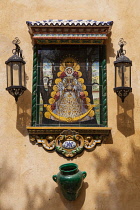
(69, 63)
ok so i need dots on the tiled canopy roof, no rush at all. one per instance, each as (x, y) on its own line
(69, 23)
(69, 31)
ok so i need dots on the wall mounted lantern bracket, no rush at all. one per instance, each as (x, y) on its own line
(15, 67)
(122, 72)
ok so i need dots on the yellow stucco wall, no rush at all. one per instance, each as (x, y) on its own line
(113, 172)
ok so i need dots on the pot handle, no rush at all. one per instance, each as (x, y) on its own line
(84, 173)
(54, 178)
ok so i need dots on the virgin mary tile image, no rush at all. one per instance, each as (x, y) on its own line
(69, 100)
(69, 86)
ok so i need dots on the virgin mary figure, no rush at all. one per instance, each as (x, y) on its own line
(70, 102)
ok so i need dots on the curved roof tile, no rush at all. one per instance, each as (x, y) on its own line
(69, 23)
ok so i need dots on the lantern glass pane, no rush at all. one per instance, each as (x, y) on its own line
(127, 76)
(16, 69)
(9, 75)
(119, 70)
(23, 76)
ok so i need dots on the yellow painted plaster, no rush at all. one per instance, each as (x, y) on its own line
(113, 171)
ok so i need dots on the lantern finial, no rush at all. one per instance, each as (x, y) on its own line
(17, 51)
(121, 51)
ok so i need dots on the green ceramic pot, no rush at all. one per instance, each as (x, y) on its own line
(70, 180)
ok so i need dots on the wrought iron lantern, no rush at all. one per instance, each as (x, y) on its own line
(15, 67)
(122, 72)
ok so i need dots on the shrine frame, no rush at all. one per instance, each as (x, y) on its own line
(69, 141)
(103, 83)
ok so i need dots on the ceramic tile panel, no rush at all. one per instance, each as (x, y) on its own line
(69, 85)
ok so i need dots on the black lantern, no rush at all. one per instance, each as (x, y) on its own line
(15, 66)
(122, 73)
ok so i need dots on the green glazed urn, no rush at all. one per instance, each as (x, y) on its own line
(70, 180)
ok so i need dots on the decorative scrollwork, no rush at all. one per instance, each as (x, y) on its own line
(123, 92)
(69, 143)
(48, 142)
(121, 42)
(90, 143)
(17, 50)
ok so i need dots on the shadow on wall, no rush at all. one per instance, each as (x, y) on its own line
(121, 181)
(78, 203)
(110, 49)
(6, 177)
(38, 199)
(125, 115)
(24, 112)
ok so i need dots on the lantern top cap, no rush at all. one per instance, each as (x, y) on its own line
(15, 58)
(123, 59)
